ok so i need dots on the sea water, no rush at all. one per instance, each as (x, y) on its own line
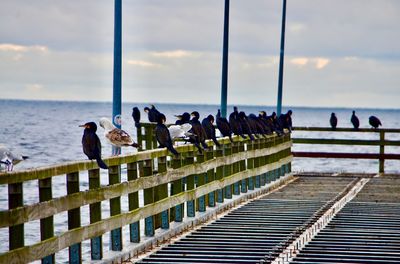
(49, 133)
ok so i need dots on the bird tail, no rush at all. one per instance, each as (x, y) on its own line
(173, 151)
(101, 163)
(25, 157)
(135, 145)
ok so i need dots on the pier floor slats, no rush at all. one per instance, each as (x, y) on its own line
(257, 229)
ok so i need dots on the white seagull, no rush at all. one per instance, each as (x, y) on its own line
(10, 158)
(180, 131)
(116, 136)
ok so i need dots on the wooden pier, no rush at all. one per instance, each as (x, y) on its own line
(168, 195)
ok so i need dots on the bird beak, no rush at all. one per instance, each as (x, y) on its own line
(82, 126)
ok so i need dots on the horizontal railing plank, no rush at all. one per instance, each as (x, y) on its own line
(326, 141)
(45, 209)
(342, 155)
(71, 237)
(346, 129)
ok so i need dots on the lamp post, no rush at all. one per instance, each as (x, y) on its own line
(281, 60)
(224, 83)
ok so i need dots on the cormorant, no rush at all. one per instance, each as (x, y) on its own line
(91, 144)
(136, 116)
(285, 121)
(333, 121)
(163, 136)
(223, 126)
(197, 129)
(355, 121)
(9, 158)
(208, 125)
(183, 119)
(234, 122)
(256, 125)
(374, 122)
(116, 136)
(152, 113)
(245, 125)
(267, 122)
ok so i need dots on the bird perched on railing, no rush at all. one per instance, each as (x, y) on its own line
(152, 113)
(285, 121)
(91, 144)
(208, 125)
(116, 136)
(163, 135)
(333, 121)
(197, 129)
(256, 125)
(223, 126)
(374, 122)
(244, 124)
(234, 122)
(136, 116)
(9, 158)
(355, 121)
(180, 131)
(183, 119)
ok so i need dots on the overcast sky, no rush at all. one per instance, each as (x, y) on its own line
(342, 53)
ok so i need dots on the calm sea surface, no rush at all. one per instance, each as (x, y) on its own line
(48, 133)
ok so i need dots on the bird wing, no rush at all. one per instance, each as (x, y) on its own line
(176, 131)
(119, 137)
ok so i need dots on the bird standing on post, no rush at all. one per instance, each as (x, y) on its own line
(116, 136)
(197, 129)
(208, 125)
(355, 121)
(234, 122)
(333, 121)
(223, 126)
(91, 144)
(136, 116)
(163, 136)
(152, 113)
(374, 122)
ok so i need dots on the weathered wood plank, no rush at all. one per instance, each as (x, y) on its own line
(114, 177)
(352, 142)
(46, 224)
(74, 218)
(96, 243)
(347, 129)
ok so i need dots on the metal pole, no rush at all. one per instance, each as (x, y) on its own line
(117, 77)
(281, 60)
(224, 84)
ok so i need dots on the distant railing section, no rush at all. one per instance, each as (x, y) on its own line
(381, 143)
(199, 180)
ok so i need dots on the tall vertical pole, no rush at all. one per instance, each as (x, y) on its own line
(116, 114)
(282, 55)
(224, 83)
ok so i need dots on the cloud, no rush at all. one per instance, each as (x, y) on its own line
(34, 88)
(299, 61)
(319, 63)
(142, 63)
(173, 54)
(7, 47)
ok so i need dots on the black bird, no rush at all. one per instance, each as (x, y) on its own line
(256, 125)
(374, 122)
(136, 116)
(266, 121)
(223, 126)
(245, 125)
(198, 129)
(152, 113)
(333, 121)
(208, 125)
(163, 136)
(91, 144)
(183, 119)
(355, 121)
(234, 122)
(285, 121)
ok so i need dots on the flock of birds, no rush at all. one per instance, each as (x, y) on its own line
(187, 128)
(373, 121)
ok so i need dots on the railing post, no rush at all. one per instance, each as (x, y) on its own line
(201, 180)
(219, 173)
(381, 151)
(149, 137)
(148, 198)
(250, 165)
(139, 136)
(242, 167)
(114, 176)
(257, 145)
(133, 200)
(15, 199)
(74, 217)
(96, 243)
(163, 192)
(235, 168)
(46, 224)
(210, 177)
(176, 187)
(228, 170)
(190, 185)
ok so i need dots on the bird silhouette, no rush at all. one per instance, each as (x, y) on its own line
(208, 125)
(152, 113)
(136, 116)
(163, 136)
(91, 144)
(333, 121)
(116, 136)
(355, 121)
(198, 129)
(234, 122)
(244, 124)
(374, 122)
(223, 126)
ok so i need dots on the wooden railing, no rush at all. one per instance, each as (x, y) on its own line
(379, 155)
(199, 180)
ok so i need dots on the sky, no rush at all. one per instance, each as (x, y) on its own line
(342, 53)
